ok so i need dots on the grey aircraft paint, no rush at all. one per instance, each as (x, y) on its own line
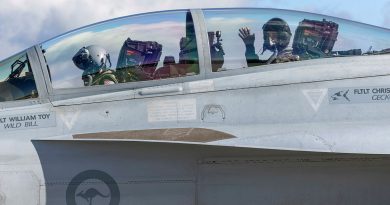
(310, 131)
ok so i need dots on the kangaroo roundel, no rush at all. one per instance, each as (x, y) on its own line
(91, 186)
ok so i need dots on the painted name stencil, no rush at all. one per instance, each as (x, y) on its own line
(27, 121)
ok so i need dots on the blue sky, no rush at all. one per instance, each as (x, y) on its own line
(25, 23)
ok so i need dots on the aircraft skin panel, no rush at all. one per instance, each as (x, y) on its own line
(27, 184)
(116, 96)
(319, 70)
(270, 110)
(227, 181)
(171, 173)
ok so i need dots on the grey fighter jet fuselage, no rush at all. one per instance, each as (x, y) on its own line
(199, 107)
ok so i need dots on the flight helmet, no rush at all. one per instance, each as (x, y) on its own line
(276, 35)
(92, 59)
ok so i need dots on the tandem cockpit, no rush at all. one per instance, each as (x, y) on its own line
(104, 104)
(177, 46)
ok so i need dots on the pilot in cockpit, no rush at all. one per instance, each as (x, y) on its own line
(93, 61)
(276, 36)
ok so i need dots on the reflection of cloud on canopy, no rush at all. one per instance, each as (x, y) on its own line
(386, 15)
(221, 21)
(344, 42)
(339, 13)
(59, 55)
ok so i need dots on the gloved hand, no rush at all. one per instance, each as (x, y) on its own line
(246, 36)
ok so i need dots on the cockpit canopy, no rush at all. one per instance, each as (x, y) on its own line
(185, 43)
(136, 47)
(164, 45)
(312, 36)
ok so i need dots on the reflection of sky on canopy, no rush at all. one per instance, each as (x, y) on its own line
(165, 28)
(5, 68)
(352, 35)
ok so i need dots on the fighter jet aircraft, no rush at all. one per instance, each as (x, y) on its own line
(213, 106)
